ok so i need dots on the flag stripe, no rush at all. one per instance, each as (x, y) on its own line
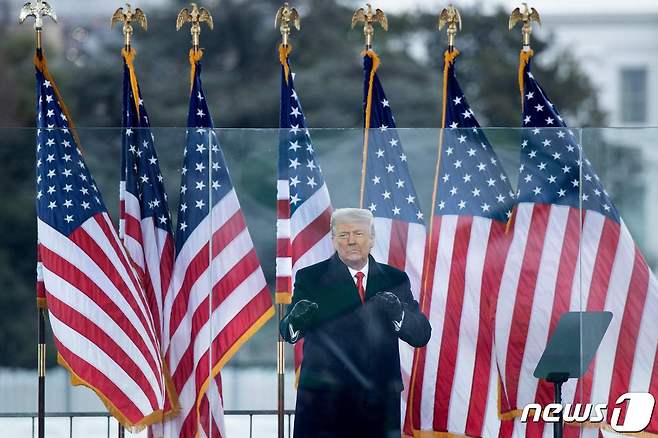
(101, 381)
(454, 302)
(103, 224)
(239, 273)
(630, 328)
(485, 375)
(397, 252)
(104, 275)
(524, 298)
(597, 293)
(235, 331)
(71, 288)
(198, 265)
(563, 285)
(312, 233)
(437, 305)
(230, 256)
(468, 329)
(105, 342)
(99, 370)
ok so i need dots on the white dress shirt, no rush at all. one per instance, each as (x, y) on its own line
(353, 273)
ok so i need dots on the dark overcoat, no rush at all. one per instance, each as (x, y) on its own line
(351, 364)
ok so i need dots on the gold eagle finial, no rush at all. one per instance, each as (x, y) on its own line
(450, 16)
(527, 16)
(284, 16)
(369, 18)
(127, 17)
(196, 16)
(38, 10)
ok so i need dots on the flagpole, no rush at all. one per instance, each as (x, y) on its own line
(195, 17)
(285, 17)
(41, 372)
(451, 18)
(369, 18)
(38, 10)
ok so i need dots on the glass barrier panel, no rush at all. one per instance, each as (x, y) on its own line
(500, 232)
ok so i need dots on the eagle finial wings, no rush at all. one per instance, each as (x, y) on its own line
(183, 17)
(140, 18)
(534, 15)
(204, 15)
(117, 17)
(515, 17)
(38, 10)
(526, 16)
(381, 18)
(286, 15)
(279, 14)
(450, 15)
(359, 15)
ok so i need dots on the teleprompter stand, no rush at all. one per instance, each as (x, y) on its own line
(570, 350)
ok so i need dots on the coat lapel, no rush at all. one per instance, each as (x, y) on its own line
(343, 283)
(374, 278)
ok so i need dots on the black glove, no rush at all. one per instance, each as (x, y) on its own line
(300, 316)
(389, 305)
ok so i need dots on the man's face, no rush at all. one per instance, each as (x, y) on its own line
(353, 242)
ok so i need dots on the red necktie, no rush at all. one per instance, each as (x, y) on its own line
(359, 286)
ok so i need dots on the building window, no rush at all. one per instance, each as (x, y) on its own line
(634, 95)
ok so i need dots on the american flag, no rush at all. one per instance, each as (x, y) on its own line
(101, 321)
(207, 329)
(564, 259)
(455, 380)
(390, 195)
(144, 222)
(303, 204)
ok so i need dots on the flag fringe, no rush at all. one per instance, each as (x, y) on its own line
(129, 59)
(284, 51)
(152, 418)
(368, 111)
(194, 57)
(524, 59)
(282, 298)
(42, 303)
(231, 352)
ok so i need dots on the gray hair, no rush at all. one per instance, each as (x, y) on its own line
(345, 215)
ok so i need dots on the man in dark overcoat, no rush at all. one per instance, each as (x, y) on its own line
(351, 310)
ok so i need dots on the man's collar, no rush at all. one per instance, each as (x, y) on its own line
(364, 269)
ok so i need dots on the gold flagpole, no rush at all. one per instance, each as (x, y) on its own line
(285, 16)
(39, 10)
(127, 17)
(369, 18)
